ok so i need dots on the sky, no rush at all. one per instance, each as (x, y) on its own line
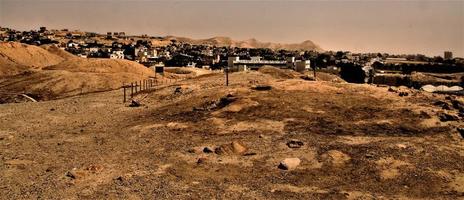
(387, 26)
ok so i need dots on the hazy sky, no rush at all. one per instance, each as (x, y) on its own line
(428, 27)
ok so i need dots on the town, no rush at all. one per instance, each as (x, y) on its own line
(167, 51)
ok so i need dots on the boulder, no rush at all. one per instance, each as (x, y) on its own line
(289, 163)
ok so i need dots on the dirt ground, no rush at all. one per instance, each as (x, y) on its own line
(199, 139)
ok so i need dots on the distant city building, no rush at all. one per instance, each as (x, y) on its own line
(448, 55)
(117, 55)
(255, 62)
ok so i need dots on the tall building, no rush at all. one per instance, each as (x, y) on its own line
(448, 55)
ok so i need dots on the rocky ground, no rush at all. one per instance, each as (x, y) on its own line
(262, 137)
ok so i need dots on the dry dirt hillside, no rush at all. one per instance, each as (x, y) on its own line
(60, 74)
(16, 58)
(250, 43)
(198, 139)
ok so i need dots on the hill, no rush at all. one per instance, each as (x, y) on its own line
(250, 43)
(16, 58)
(49, 72)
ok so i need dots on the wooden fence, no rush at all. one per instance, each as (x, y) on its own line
(131, 89)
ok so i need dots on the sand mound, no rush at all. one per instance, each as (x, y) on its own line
(57, 73)
(59, 52)
(16, 58)
(279, 73)
(52, 84)
(97, 65)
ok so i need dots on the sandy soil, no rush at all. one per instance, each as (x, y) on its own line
(358, 142)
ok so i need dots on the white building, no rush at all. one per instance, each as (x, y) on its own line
(117, 55)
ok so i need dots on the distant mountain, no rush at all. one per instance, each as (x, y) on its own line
(250, 43)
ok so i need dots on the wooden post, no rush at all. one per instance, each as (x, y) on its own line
(314, 72)
(140, 85)
(227, 76)
(132, 90)
(124, 88)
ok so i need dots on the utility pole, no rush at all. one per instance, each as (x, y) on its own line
(227, 75)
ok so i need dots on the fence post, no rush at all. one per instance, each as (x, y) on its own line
(124, 88)
(132, 90)
(140, 85)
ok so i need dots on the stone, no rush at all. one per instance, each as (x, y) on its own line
(231, 148)
(262, 87)
(289, 163)
(444, 117)
(295, 143)
(208, 150)
(202, 160)
(392, 89)
(461, 131)
(134, 103)
(196, 150)
(403, 94)
(443, 105)
(70, 174)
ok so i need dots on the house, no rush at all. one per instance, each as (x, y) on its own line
(302, 65)
(117, 54)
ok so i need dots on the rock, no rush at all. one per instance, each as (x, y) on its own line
(70, 174)
(134, 103)
(443, 105)
(444, 117)
(295, 143)
(202, 160)
(457, 105)
(262, 87)
(289, 163)
(231, 148)
(178, 90)
(335, 158)
(403, 94)
(392, 89)
(461, 131)
(307, 78)
(208, 150)
(196, 150)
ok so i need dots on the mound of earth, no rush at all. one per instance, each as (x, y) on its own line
(100, 65)
(279, 73)
(16, 58)
(59, 52)
(52, 84)
(50, 72)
